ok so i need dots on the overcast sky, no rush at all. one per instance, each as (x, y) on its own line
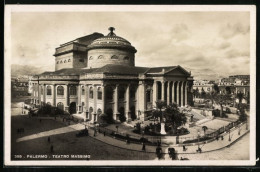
(216, 41)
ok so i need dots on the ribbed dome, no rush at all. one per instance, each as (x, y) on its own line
(111, 41)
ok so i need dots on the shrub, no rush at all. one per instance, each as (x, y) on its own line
(122, 118)
(133, 115)
(107, 118)
(138, 127)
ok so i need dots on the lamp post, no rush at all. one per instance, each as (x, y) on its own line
(198, 136)
(22, 108)
(246, 123)
(229, 138)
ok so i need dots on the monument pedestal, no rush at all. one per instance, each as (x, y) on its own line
(163, 129)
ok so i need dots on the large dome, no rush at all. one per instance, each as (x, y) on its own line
(112, 41)
(110, 49)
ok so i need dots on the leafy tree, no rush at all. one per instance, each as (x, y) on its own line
(174, 116)
(222, 99)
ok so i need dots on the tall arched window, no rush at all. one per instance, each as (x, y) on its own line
(114, 57)
(60, 106)
(91, 93)
(99, 111)
(99, 92)
(73, 90)
(82, 90)
(60, 91)
(48, 90)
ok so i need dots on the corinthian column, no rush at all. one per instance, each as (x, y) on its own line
(178, 93)
(186, 93)
(182, 85)
(115, 102)
(155, 93)
(168, 93)
(162, 90)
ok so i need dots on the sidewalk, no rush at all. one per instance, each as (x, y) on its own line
(208, 147)
(214, 145)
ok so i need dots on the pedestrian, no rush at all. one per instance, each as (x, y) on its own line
(143, 148)
(158, 152)
(40, 120)
(184, 148)
(51, 148)
(199, 149)
(104, 133)
(94, 132)
(158, 143)
(49, 139)
(222, 137)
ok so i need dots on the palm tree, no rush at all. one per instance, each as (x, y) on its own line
(160, 105)
(204, 128)
(240, 97)
(158, 112)
(222, 99)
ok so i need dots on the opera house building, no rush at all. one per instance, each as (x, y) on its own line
(96, 75)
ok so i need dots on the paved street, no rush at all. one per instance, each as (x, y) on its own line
(34, 141)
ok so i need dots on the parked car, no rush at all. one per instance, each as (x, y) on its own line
(82, 133)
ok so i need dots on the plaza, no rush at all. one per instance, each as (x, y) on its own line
(100, 147)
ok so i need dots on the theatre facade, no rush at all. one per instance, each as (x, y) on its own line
(96, 75)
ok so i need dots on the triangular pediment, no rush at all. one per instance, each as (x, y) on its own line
(178, 71)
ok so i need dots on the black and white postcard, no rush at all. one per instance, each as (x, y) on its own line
(89, 85)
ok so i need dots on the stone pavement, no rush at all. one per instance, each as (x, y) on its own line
(212, 146)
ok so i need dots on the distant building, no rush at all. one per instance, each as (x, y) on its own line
(235, 84)
(19, 86)
(97, 75)
(205, 85)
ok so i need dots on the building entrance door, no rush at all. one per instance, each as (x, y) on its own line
(72, 108)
